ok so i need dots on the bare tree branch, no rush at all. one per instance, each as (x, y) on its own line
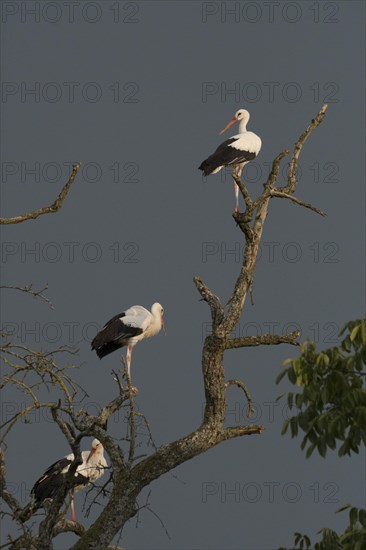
(245, 192)
(51, 209)
(239, 431)
(292, 175)
(253, 236)
(282, 195)
(10, 500)
(217, 311)
(264, 340)
(241, 385)
(67, 526)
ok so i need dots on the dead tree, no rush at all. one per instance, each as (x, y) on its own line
(131, 474)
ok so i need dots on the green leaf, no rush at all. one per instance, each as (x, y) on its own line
(362, 517)
(324, 394)
(280, 376)
(322, 360)
(360, 415)
(310, 450)
(322, 447)
(360, 545)
(291, 375)
(285, 426)
(343, 508)
(343, 329)
(294, 426)
(344, 449)
(363, 333)
(354, 332)
(290, 399)
(353, 516)
(346, 344)
(299, 400)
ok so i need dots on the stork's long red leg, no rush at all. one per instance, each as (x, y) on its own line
(129, 356)
(128, 359)
(236, 191)
(237, 171)
(73, 518)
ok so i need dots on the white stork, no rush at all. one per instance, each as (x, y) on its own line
(91, 469)
(236, 151)
(128, 328)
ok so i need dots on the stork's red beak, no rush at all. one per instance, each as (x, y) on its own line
(90, 454)
(163, 325)
(229, 125)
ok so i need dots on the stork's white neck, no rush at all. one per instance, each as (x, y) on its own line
(243, 125)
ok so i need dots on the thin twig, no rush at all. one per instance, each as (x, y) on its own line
(147, 507)
(241, 385)
(29, 290)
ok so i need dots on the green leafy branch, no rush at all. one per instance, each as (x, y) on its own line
(331, 406)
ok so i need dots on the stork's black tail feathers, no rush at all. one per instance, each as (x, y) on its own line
(114, 335)
(104, 349)
(206, 167)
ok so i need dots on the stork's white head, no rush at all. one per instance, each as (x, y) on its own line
(96, 448)
(158, 311)
(242, 113)
(241, 116)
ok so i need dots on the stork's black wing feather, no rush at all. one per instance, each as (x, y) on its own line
(50, 481)
(113, 336)
(225, 155)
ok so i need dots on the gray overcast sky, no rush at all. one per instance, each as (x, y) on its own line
(137, 92)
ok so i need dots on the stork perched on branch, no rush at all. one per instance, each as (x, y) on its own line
(236, 151)
(128, 328)
(91, 469)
